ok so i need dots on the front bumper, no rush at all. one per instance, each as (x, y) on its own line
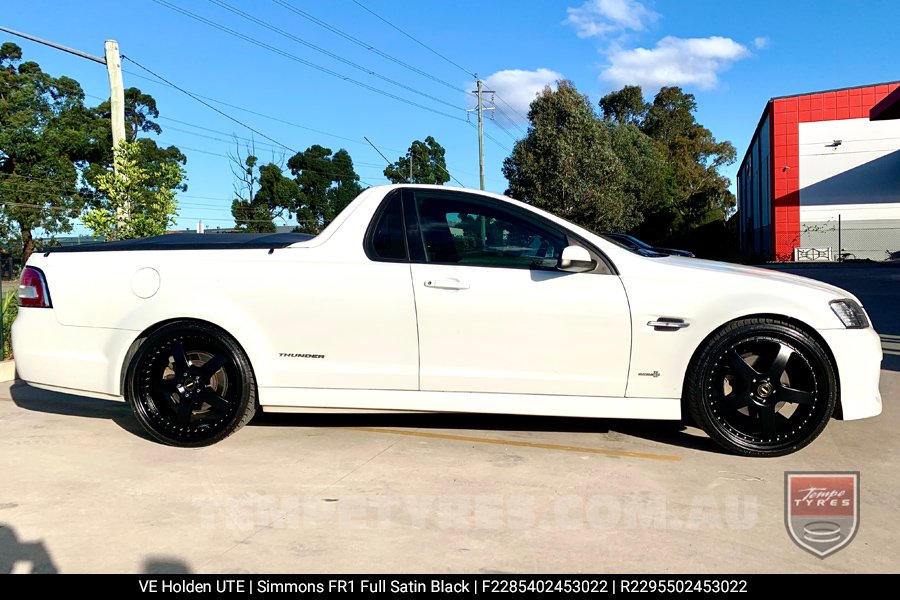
(857, 353)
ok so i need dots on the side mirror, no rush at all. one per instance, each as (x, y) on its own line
(576, 259)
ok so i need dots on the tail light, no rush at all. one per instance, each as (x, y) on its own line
(33, 290)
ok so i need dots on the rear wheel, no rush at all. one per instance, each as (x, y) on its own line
(762, 388)
(190, 384)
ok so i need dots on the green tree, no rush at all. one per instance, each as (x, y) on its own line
(567, 164)
(135, 202)
(625, 106)
(428, 164)
(44, 144)
(156, 162)
(327, 183)
(140, 110)
(700, 193)
(264, 194)
(649, 180)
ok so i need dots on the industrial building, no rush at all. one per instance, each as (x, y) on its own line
(821, 177)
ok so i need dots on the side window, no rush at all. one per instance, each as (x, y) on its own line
(460, 231)
(386, 240)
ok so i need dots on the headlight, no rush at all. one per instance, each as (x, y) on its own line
(850, 313)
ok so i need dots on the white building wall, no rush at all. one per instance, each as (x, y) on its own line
(858, 178)
(850, 188)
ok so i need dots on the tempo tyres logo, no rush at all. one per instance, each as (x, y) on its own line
(821, 510)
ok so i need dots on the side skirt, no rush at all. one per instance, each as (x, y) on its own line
(353, 400)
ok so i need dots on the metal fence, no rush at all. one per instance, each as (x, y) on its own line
(843, 240)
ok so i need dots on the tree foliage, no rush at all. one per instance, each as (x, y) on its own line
(326, 183)
(700, 192)
(428, 164)
(625, 106)
(696, 192)
(567, 164)
(44, 142)
(155, 161)
(55, 155)
(263, 194)
(648, 167)
(135, 202)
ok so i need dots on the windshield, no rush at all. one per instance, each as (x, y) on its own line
(631, 244)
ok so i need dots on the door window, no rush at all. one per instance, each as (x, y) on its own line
(465, 232)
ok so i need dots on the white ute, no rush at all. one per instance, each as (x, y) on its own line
(427, 298)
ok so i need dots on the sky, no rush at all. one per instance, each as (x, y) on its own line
(288, 74)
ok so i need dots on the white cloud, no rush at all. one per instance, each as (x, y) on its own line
(517, 89)
(761, 43)
(597, 18)
(674, 61)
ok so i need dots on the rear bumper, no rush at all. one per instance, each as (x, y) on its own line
(857, 353)
(78, 359)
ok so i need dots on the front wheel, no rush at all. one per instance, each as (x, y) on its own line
(761, 387)
(190, 384)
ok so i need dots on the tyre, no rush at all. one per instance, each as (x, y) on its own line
(190, 384)
(762, 387)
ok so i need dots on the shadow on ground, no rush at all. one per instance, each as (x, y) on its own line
(21, 556)
(57, 403)
(165, 565)
(671, 433)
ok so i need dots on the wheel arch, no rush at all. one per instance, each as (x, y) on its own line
(802, 325)
(136, 343)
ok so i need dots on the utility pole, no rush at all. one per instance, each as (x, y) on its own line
(113, 64)
(116, 92)
(412, 155)
(481, 109)
(116, 112)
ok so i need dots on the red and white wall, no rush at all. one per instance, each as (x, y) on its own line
(814, 157)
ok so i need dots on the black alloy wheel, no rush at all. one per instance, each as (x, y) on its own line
(762, 388)
(190, 384)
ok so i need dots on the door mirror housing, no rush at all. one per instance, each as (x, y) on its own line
(576, 259)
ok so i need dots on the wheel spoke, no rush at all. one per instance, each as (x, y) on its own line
(767, 420)
(740, 368)
(777, 369)
(211, 366)
(165, 387)
(185, 410)
(793, 396)
(179, 358)
(214, 400)
(734, 402)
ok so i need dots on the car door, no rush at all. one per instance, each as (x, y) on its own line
(496, 315)
(349, 322)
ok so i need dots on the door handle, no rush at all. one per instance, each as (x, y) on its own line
(447, 284)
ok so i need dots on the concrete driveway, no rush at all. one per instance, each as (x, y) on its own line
(84, 491)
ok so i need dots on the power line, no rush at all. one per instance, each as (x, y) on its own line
(256, 113)
(366, 45)
(461, 184)
(510, 107)
(207, 104)
(423, 44)
(303, 61)
(328, 53)
(252, 112)
(239, 138)
(433, 51)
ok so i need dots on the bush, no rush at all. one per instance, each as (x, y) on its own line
(9, 305)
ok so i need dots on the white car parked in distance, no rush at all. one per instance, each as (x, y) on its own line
(428, 298)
